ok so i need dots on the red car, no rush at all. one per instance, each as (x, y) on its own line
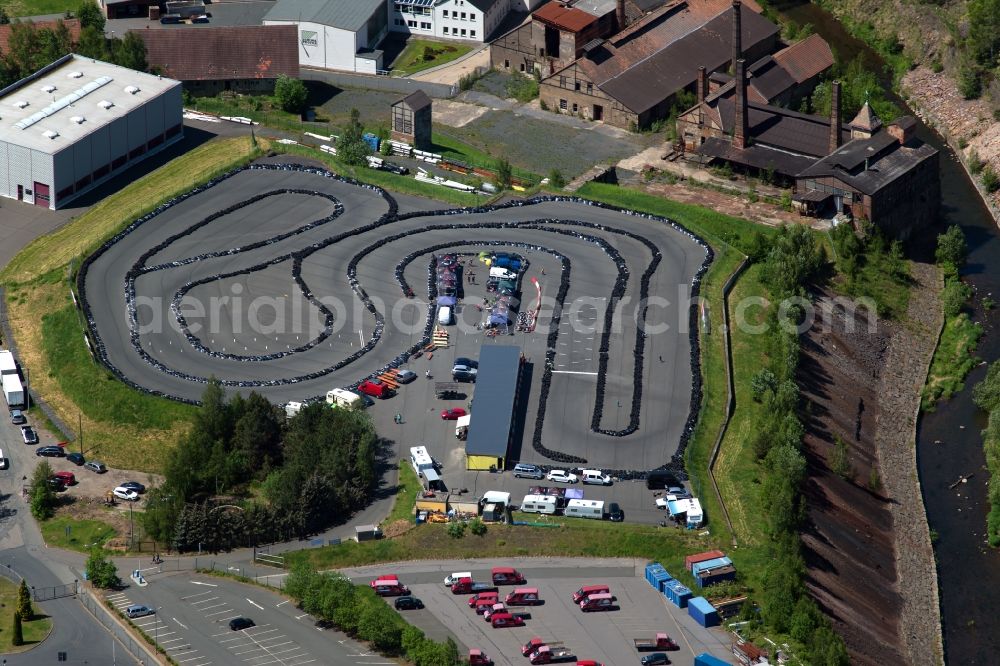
(67, 478)
(453, 413)
(376, 389)
(500, 620)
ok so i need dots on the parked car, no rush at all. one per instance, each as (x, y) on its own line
(56, 484)
(240, 623)
(29, 435)
(405, 376)
(596, 477)
(453, 413)
(462, 373)
(67, 478)
(126, 494)
(138, 610)
(4, 463)
(134, 485)
(50, 451)
(499, 620)
(560, 476)
(75, 458)
(524, 471)
(375, 389)
(17, 417)
(95, 466)
(407, 603)
(615, 513)
(655, 659)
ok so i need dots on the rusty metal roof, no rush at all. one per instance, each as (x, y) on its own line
(202, 53)
(758, 156)
(782, 128)
(416, 100)
(769, 78)
(564, 18)
(806, 59)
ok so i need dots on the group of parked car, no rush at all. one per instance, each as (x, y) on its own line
(589, 476)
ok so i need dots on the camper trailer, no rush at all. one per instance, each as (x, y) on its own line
(582, 508)
(339, 397)
(539, 504)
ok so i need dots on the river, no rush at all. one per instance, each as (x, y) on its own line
(948, 439)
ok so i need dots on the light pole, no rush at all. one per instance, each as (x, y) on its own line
(156, 628)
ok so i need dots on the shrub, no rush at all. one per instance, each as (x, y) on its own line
(101, 571)
(840, 463)
(290, 94)
(477, 527)
(504, 174)
(17, 637)
(456, 530)
(990, 179)
(24, 601)
(953, 297)
(556, 179)
(970, 82)
(762, 382)
(975, 164)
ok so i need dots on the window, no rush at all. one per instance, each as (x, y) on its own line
(590, 88)
(425, 26)
(472, 17)
(562, 104)
(576, 86)
(402, 120)
(463, 16)
(506, 64)
(412, 24)
(445, 13)
(445, 30)
(522, 66)
(562, 81)
(574, 107)
(463, 32)
(472, 33)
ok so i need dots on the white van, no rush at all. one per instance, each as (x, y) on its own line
(583, 508)
(444, 315)
(339, 397)
(453, 578)
(596, 477)
(539, 504)
(502, 273)
(292, 408)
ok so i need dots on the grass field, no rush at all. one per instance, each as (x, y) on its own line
(421, 54)
(33, 631)
(954, 359)
(38, 7)
(122, 427)
(81, 535)
(406, 494)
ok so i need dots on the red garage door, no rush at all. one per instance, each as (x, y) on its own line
(41, 194)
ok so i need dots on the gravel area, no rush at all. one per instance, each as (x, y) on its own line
(903, 377)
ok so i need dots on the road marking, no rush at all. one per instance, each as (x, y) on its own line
(283, 603)
(231, 617)
(254, 603)
(203, 601)
(228, 610)
(181, 661)
(572, 372)
(299, 617)
(198, 582)
(192, 596)
(171, 640)
(178, 622)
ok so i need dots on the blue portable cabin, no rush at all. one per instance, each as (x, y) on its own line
(371, 140)
(705, 659)
(651, 569)
(677, 593)
(710, 564)
(703, 612)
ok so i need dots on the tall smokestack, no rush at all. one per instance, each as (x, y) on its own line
(620, 14)
(702, 84)
(737, 31)
(834, 116)
(741, 130)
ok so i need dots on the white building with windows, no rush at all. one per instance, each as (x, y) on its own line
(335, 34)
(78, 122)
(473, 20)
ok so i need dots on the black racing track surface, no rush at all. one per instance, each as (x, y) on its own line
(290, 282)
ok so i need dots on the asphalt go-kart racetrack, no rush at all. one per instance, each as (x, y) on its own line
(290, 281)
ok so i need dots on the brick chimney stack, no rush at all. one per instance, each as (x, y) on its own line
(620, 14)
(737, 31)
(834, 116)
(702, 84)
(741, 129)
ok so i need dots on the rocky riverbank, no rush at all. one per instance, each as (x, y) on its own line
(903, 376)
(967, 125)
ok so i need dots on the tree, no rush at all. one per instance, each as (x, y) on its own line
(761, 382)
(90, 15)
(793, 259)
(954, 296)
(840, 462)
(380, 625)
(556, 179)
(951, 247)
(504, 174)
(24, 601)
(351, 146)
(43, 498)
(291, 94)
(129, 51)
(17, 637)
(101, 571)
(986, 394)
(984, 31)
(990, 179)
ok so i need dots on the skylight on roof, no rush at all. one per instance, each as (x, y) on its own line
(50, 134)
(131, 90)
(48, 88)
(74, 75)
(20, 104)
(78, 119)
(105, 104)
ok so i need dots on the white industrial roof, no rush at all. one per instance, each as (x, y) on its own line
(69, 99)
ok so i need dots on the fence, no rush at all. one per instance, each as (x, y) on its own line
(55, 591)
(141, 652)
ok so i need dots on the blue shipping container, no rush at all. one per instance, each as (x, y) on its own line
(660, 579)
(711, 564)
(703, 612)
(705, 659)
(677, 593)
(651, 569)
(371, 140)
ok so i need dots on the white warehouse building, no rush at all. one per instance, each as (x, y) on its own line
(335, 34)
(78, 122)
(474, 20)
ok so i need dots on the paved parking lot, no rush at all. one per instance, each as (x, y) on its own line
(605, 637)
(192, 624)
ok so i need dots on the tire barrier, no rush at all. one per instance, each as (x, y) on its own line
(571, 228)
